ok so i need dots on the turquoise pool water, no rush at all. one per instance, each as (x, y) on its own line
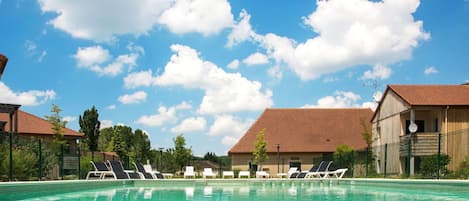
(258, 190)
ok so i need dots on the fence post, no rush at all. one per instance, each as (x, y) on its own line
(61, 163)
(366, 161)
(409, 152)
(10, 175)
(385, 158)
(79, 161)
(353, 163)
(438, 157)
(104, 156)
(40, 159)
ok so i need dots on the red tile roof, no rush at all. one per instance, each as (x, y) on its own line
(33, 125)
(306, 130)
(433, 95)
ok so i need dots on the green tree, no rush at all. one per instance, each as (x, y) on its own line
(368, 138)
(57, 127)
(260, 149)
(182, 155)
(89, 125)
(141, 146)
(343, 156)
(210, 156)
(428, 165)
(105, 139)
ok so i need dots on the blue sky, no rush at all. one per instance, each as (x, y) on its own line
(208, 68)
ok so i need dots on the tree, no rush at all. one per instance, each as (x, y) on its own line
(260, 151)
(105, 139)
(343, 156)
(140, 146)
(368, 138)
(182, 155)
(89, 125)
(57, 127)
(210, 156)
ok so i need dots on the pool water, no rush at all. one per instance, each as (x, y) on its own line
(268, 191)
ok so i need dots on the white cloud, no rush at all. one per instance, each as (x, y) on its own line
(163, 116)
(137, 97)
(69, 118)
(224, 92)
(228, 125)
(28, 98)
(137, 79)
(105, 124)
(94, 57)
(350, 33)
(33, 51)
(379, 72)
(202, 16)
(330, 79)
(342, 99)
(430, 70)
(233, 64)
(275, 72)
(111, 107)
(256, 59)
(192, 124)
(241, 31)
(105, 19)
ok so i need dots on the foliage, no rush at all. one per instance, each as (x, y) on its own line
(105, 139)
(366, 134)
(343, 156)
(463, 171)
(182, 155)
(211, 156)
(89, 125)
(57, 126)
(428, 165)
(85, 166)
(260, 151)
(140, 146)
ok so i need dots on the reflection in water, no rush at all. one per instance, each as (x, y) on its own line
(280, 191)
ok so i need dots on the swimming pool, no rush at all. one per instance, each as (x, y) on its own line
(233, 190)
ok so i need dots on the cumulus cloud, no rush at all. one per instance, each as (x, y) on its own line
(233, 64)
(223, 92)
(95, 57)
(137, 97)
(106, 124)
(242, 30)
(342, 99)
(256, 59)
(27, 98)
(202, 16)
(379, 72)
(350, 33)
(111, 107)
(275, 72)
(69, 118)
(192, 124)
(164, 115)
(103, 20)
(430, 70)
(137, 79)
(86, 19)
(230, 127)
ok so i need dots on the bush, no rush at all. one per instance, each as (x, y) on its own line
(428, 166)
(24, 165)
(85, 166)
(463, 171)
(343, 156)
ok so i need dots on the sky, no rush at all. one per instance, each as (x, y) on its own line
(207, 69)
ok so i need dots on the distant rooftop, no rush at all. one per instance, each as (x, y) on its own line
(307, 130)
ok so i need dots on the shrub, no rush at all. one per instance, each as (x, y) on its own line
(463, 171)
(428, 166)
(343, 156)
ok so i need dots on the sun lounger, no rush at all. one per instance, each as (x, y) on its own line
(155, 174)
(321, 171)
(228, 174)
(208, 173)
(100, 170)
(262, 174)
(244, 174)
(308, 173)
(189, 172)
(333, 172)
(142, 172)
(120, 173)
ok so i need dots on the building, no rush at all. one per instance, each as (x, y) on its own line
(434, 110)
(29, 125)
(304, 137)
